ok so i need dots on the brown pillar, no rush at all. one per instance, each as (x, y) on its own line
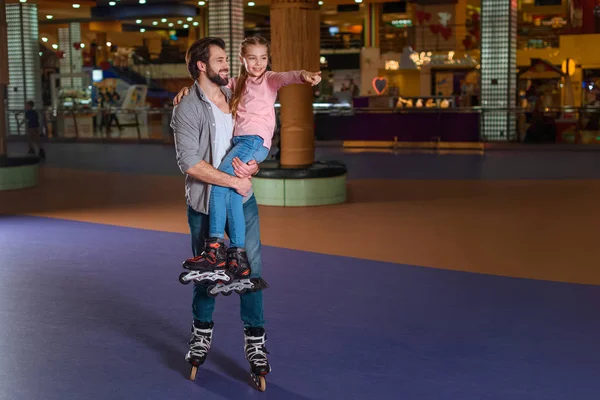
(102, 50)
(295, 45)
(3, 76)
(203, 22)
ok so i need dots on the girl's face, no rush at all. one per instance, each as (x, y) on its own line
(255, 60)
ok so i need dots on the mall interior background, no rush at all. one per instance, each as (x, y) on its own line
(126, 58)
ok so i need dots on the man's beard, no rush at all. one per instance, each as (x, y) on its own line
(215, 77)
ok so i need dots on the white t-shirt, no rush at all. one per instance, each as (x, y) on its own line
(224, 130)
(224, 135)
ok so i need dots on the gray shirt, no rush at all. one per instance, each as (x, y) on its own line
(195, 134)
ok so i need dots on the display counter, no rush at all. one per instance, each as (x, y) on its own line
(447, 125)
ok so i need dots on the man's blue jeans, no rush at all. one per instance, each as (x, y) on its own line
(251, 303)
(225, 203)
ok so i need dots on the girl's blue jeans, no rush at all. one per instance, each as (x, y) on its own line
(225, 204)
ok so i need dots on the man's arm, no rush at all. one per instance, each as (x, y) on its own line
(185, 123)
(205, 172)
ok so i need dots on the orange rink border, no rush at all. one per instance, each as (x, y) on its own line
(530, 229)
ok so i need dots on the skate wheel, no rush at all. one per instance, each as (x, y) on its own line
(181, 278)
(259, 381)
(227, 293)
(193, 373)
(208, 291)
(261, 384)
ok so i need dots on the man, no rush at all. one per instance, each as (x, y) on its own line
(203, 129)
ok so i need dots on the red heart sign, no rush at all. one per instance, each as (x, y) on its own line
(446, 32)
(379, 84)
(422, 16)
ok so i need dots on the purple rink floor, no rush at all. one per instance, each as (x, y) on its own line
(92, 311)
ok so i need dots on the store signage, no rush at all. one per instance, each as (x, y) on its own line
(551, 22)
(401, 23)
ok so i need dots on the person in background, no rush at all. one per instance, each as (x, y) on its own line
(33, 130)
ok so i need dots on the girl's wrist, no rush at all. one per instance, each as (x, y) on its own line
(302, 72)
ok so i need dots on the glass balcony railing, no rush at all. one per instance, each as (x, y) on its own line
(552, 125)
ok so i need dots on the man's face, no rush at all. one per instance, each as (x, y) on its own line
(217, 69)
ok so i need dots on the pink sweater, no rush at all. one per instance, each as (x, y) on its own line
(255, 113)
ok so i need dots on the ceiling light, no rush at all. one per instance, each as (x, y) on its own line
(154, 23)
(142, 1)
(186, 26)
(171, 24)
(190, 18)
(55, 46)
(142, 30)
(138, 21)
(49, 17)
(163, 20)
(251, 4)
(201, 3)
(76, 5)
(196, 23)
(109, 44)
(44, 39)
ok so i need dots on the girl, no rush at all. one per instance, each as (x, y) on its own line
(252, 106)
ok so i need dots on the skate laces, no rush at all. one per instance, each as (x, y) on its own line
(200, 257)
(200, 342)
(208, 256)
(256, 352)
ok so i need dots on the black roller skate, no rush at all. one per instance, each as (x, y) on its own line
(239, 269)
(199, 345)
(209, 267)
(237, 263)
(256, 354)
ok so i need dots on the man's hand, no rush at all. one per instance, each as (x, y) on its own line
(243, 186)
(182, 93)
(311, 77)
(242, 170)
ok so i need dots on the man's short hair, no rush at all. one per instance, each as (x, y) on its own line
(30, 103)
(200, 51)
